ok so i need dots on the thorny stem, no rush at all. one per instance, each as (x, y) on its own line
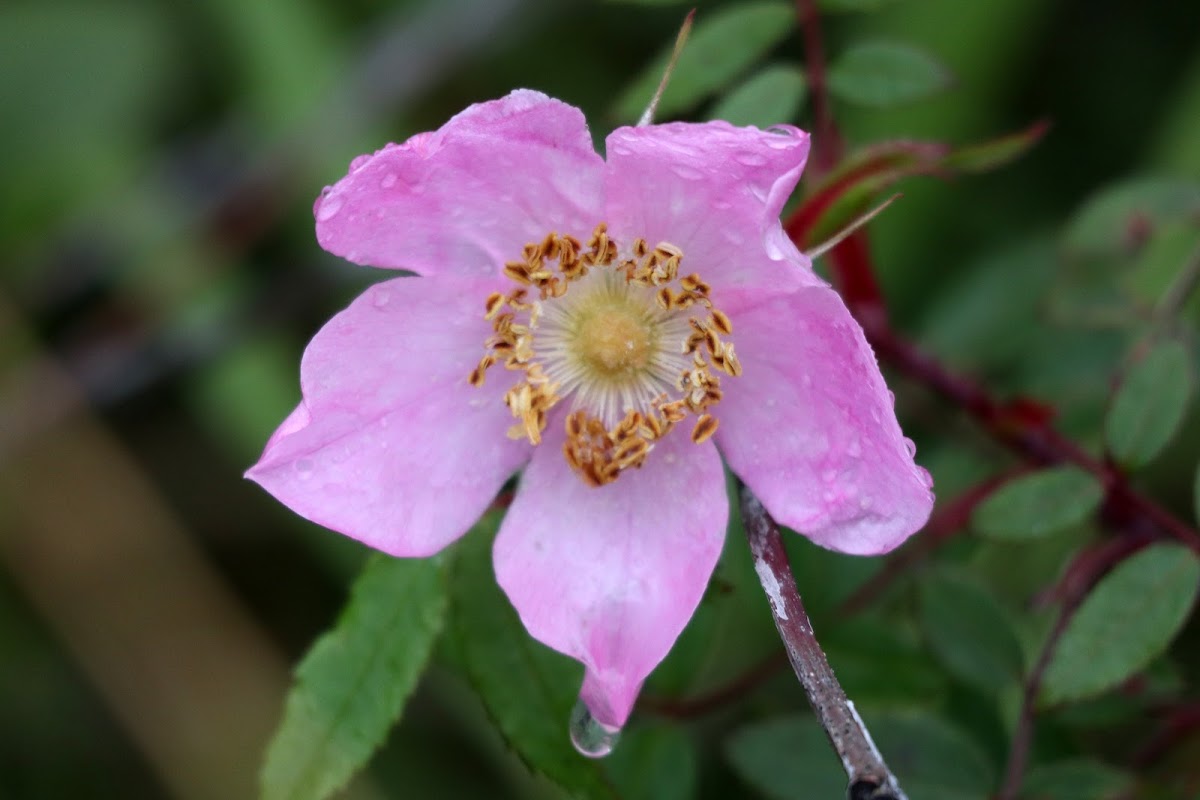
(869, 777)
(1023, 426)
(1079, 577)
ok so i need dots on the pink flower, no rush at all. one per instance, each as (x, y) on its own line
(611, 325)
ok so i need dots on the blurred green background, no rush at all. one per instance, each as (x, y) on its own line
(159, 278)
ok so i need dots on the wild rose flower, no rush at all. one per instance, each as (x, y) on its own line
(610, 324)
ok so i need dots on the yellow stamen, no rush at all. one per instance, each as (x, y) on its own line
(635, 345)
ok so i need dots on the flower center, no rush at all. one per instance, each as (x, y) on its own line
(634, 345)
(613, 342)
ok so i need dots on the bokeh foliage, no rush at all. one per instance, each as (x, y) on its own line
(160, 279)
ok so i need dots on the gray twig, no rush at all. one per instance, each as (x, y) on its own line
(869, 777)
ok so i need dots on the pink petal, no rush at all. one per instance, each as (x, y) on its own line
(712, 189)
(610, 576)
(810, 425)
(464, 199)
(391, 445)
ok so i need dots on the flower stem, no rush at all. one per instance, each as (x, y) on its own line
(869, 777)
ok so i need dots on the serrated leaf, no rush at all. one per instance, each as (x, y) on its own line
(1039, 504)
(1122, 215)
(654, 763)
(884, 74)
(722, 46)
(969, 632)
(1129, 618)
(528, 689)
(352, 685)
(770, 96)
(785, 758)
(1150, 405)
(1079, 779)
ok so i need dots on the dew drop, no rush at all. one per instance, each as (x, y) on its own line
(591, 737)
(750, 159)
(388, 181)
(382, 298)
(304, 468)
(330, 206)
(687, 173)
(911, 447)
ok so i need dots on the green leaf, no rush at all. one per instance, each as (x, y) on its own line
(528, 689)
(1150, 405)
(1162, 263)
(857, 647)
(1121, 216)
(654, 763)
(785, 758)
(884, 74)
(1078, 779)
(770, 96)
(970, 632)
(1039, 504)
(1128, 619)
(790, 757)
(932, 759)
(722, 46)
(352, 685)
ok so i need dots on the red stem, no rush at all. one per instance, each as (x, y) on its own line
(827, 145)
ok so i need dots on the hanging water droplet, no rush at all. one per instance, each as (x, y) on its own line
(591, 737)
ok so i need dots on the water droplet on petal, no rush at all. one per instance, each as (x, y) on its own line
(329, 208)
(750, 159)
(304, 468)
(911, 447)
(388, 181)
(381, 298)
(687, 173)
(591, 737)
